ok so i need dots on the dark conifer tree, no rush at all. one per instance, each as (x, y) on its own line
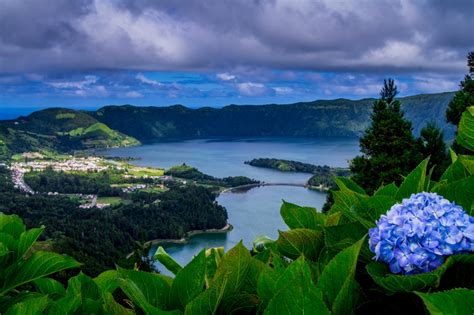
(432, 145)
(462, 99)
(388, 146)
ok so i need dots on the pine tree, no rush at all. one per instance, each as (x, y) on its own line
(461, 100)
(388, 146)
(464, 97)
(432, 145)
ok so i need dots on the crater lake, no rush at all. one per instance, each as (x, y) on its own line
(252, 212)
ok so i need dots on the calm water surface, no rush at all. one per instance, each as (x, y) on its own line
(256, 211)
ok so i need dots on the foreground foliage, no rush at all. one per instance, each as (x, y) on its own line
(321, 265)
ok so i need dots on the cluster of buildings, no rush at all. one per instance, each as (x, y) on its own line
(73, 164)
(19, 182)
(141, 186)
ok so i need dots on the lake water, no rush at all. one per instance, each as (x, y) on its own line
(256, 211)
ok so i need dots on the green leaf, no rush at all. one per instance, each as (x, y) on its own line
(229, 278)
(414, 182)
(389, 190)
(342, 236)
(11, 224)
(26, 241)
(49, 286)
(456, 302)
(113, 307)
(461, 192)
(369, 210)
(453, 155)
(148, 291)
(297, 242)
(189, 281)
(381, 274)
(162, 256)
(107, 281)
(455, 171)
(344, 200)
(38, 265)
(261, 243)
(29, 307)
(468, 163)
(296, 293)
(267, 285)
(465, 135)
(83, 286)
(337, 280)
(301, 217)
(346, 183)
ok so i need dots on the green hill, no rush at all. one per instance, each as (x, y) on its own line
(60, 130)
(112, 126)
(324, 118)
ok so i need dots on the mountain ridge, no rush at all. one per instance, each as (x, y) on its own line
(64, 129)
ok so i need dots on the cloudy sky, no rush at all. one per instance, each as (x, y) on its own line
(89, 53)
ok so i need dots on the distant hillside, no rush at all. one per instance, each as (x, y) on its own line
(324, 118)
(59, 129)
(112, 126)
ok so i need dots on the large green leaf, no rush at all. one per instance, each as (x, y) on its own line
(345, 183)
(465, 135)
(456, 302)
(267, 285)
(38, 265)
(461, 192)
(107, 281)
(26, 241)
(50, 287)
(301, 217)
(162, 256)
(189, 281)
(113, 307)
(228, 279)
(369, 210)
(148, 291)
(11, 224)
(381, 274)
(32, 306)
(83, 289)
(296, 293)
(297, 242)
(387, 190)
(337, 280)
(339, 237)
(455, 171)
(414, 182)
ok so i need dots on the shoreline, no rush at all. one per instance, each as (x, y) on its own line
(226, 229)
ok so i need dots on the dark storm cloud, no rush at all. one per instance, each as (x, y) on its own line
(367, 36)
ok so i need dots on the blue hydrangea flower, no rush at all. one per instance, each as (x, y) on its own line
(416, 235)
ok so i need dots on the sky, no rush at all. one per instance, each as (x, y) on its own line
(91, 53)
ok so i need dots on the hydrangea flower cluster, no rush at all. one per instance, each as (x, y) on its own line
(416, 235)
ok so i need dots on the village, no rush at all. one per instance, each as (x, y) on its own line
(37, 162)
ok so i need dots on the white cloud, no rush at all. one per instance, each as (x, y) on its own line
(225, 76)
(80, 84)
(133, 94)
(283, 90)
(146, 80)
(251, 89)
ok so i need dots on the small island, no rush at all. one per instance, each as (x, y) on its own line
(322, 178)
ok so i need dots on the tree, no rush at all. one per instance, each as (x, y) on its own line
(388, 146)
(464, 97)
(432, 145)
